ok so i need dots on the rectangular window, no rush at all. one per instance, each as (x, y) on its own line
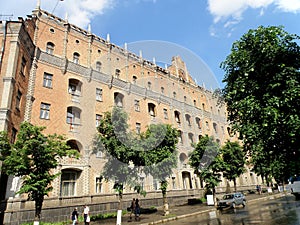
(137, 105)
(138, 128)
(99, 94)
(45, 111)
(99, 185)
(68, 182)
(166, 114)
(98, 119)
(18, 99)
(47, 82)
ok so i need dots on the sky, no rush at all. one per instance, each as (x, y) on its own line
(200, 31)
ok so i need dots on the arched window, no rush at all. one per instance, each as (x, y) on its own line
(177, 116)
(117, 73)
(134, 78)
(118, 97)
(151, 109)
(76, 57)
(98, 66)
(50, 48)
(188, 119)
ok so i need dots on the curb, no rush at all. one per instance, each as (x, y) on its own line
(272, 196)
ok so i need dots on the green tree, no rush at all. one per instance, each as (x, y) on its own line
(262, 93)
(116, 142)
(233, 161)
(130, 155)
(206, 162)
(33, 158)
(160, 142)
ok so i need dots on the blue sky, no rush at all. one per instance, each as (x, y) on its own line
(205, 28)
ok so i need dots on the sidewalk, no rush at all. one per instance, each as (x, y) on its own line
(179, 211)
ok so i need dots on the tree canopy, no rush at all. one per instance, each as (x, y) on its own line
(262, 93)
(32, 157)
(206, 161)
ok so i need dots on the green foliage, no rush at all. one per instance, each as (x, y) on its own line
(233, 160)
(130, 155)
(262, 93)
(32, 157)
(206, 161)
(4, 145)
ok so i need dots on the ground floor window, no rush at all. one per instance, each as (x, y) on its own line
(68, 183)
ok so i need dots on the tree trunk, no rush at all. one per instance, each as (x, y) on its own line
(119, 212)
(166, 205)
(38, 209)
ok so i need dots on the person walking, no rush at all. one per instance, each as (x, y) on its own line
(74, 216)
(137, 209)
(86, 215)
(132, 208)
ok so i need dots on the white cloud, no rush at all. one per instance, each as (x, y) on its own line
(80, 12)
(289, 5)
(234, 9)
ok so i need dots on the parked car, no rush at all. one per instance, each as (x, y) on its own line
(232, 200)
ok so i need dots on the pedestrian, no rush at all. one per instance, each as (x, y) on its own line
(86, 215)
(132, 208)
(74, 216)
(137, 209)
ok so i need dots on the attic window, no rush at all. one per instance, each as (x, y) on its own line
(51, 30)
(77, 41)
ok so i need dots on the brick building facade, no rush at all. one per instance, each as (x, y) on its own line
(57, 75)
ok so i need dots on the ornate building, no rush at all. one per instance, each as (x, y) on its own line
(57, 75)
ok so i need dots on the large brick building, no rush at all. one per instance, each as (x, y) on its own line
(57, 75)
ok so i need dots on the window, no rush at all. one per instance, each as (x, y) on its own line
(180, 140)
(118, 97)
(23, 66)
(50, 48)
(117, 73)
(18, 99)
(195, 103)
(151, 109)
(162, 89)
(45, 111)
(215, 127)
(191, 137)
(188, 119)
(73, 115)
(47, 82)
(173, 183)
(149, 85)
(99, 93)
(166, 114)
(137, 105)
(184, 98)
(98, 119)
(134, 78)
(98, 66)
(207, 125)
(99, 184)
(198, 122)
(138, 128)
(76, 57)
(68, 183)
(174, 94)
(75, 87)
(177, 116)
